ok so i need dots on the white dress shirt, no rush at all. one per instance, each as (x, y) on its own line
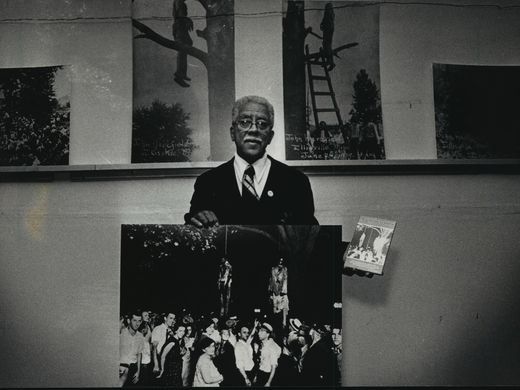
(159, 336)
(261, 166)
(269, 355)
(130, 346)
(244, 355)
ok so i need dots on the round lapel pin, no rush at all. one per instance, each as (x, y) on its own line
(270, 193)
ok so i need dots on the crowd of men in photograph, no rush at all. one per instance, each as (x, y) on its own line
(176, 350)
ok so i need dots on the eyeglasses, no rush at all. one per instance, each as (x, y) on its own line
(245, 124)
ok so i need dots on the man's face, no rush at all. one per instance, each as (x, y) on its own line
(210, 350)
(336, 337)
(210, 329)
(291, 337)
(169, 320)
(224, 334)
(135, 322)
(244, 333)
(251, 144)
(263, 334)
(146, 316)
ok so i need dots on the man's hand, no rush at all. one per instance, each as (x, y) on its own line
(123, 374)
(204, 218)
(123, 371)
(351, 271)
(135, 379)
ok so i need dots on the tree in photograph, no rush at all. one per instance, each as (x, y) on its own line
(34, 125)
(366, 115)
(366, 104)
(29, 92)
(442, 97)
(294, 34)
(187, 250)
(218, 60)
(450, 97)
(161, 133)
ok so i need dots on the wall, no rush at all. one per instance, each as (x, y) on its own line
(445, 312)
(95, 38)
(412, 37)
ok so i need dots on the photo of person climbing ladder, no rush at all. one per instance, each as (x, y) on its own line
(332, 97)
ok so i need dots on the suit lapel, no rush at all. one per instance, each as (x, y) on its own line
(270, 184)
(231, 181)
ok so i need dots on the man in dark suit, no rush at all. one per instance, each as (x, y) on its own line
(252, 188)
(319, 365)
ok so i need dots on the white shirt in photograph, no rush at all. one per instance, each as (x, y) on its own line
(244, 355)
(269, 355)
(159, 336)
(130, 346)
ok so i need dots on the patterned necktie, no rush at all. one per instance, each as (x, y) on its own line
(248, 187)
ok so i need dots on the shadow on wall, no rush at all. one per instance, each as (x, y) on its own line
(377, 288)
(478, 341)
(490, 357)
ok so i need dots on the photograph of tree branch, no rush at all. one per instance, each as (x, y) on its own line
(331, 81)
(183, 80)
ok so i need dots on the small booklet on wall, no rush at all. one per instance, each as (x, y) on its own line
(369, 245)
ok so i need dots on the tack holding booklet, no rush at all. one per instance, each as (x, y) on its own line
(369, 245)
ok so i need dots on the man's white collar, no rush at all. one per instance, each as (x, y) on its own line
(260, 166)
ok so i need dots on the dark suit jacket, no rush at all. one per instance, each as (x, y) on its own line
(320, 368)
(286, 199)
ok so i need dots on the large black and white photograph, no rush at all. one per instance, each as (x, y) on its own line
(231, 305)
(475, 111)
(331, 81)
(35, 116)
(183, 80)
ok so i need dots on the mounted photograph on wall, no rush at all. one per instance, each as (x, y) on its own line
(231, 304)
(331, 81)
(476, 111)
(35, 116)
(183, 80)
